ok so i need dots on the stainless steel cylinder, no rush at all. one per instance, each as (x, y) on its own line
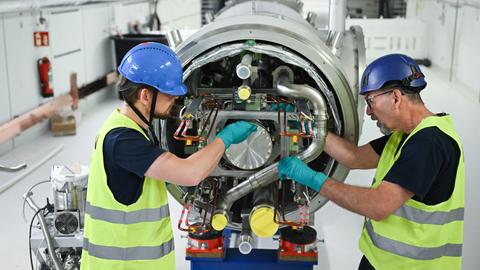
(256, 34)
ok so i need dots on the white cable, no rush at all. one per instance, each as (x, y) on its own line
(180, 114)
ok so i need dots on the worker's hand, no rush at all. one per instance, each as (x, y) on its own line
(236, 132)
(294, 168)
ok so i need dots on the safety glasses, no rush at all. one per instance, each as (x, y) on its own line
(371, 99)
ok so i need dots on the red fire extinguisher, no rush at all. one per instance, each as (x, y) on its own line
(45, 75)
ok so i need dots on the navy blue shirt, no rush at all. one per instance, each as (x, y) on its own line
(427, 165)
(127, 156)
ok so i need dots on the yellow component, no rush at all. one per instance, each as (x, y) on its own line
(244, 92)
(187, 116)
(219, 222)
(262, 223)
(295, 139)
(188, 142)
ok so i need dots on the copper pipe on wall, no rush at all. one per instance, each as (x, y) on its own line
(45, 111)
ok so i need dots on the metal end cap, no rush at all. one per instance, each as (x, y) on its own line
(244, 92)
(245, 248)
(219, 221)
(262, 223)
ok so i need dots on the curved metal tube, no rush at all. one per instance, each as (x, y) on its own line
(13, 168)
(46, 233)
(319, 114)
(270, 173)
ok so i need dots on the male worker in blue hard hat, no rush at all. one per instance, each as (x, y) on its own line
(127, 221)
(414, 208)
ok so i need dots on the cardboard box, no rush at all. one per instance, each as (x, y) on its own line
(62, 125)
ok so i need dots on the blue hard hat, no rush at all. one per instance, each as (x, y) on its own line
(155, 65)
(392, 68)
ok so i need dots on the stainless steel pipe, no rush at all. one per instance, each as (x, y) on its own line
(46, 233)
(270, 173)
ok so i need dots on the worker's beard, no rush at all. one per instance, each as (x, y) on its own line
(383, 128)
(163, 116)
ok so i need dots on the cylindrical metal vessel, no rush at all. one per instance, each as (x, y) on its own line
(279, 43)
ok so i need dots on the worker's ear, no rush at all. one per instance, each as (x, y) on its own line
(144, 95)
(397, 98)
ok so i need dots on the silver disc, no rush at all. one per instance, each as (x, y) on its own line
(253, 152)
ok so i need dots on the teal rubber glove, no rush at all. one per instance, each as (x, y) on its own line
(288, 108)
(236, 132)
(294, 168)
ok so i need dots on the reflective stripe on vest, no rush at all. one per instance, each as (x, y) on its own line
(118, 236)
(416, 235)
(120, 217)
(426, 217)
(414, 252)
(130, 253)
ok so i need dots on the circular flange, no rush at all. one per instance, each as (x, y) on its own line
(253, 152)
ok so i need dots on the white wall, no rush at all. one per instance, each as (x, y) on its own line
(449, 41)
(129, 12)
(466, 50)
(79, 42)
(398, 35)
(20, 59)
(5, 109)
(96, 42)
(180, 14)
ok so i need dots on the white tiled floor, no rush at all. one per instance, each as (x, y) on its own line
(341, 228)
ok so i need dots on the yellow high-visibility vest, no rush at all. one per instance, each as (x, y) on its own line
(417, 236)
(118, 236)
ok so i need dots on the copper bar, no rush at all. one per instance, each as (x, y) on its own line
(15, 126)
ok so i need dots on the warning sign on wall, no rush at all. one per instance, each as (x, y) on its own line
(40, 39)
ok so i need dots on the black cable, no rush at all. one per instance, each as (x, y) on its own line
(149, 122)
(151, 116)
(137, 112)
(30, 236)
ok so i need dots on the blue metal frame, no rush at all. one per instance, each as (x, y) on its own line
(258, 259)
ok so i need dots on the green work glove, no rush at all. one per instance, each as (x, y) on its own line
(236, 132)
(294, 168)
